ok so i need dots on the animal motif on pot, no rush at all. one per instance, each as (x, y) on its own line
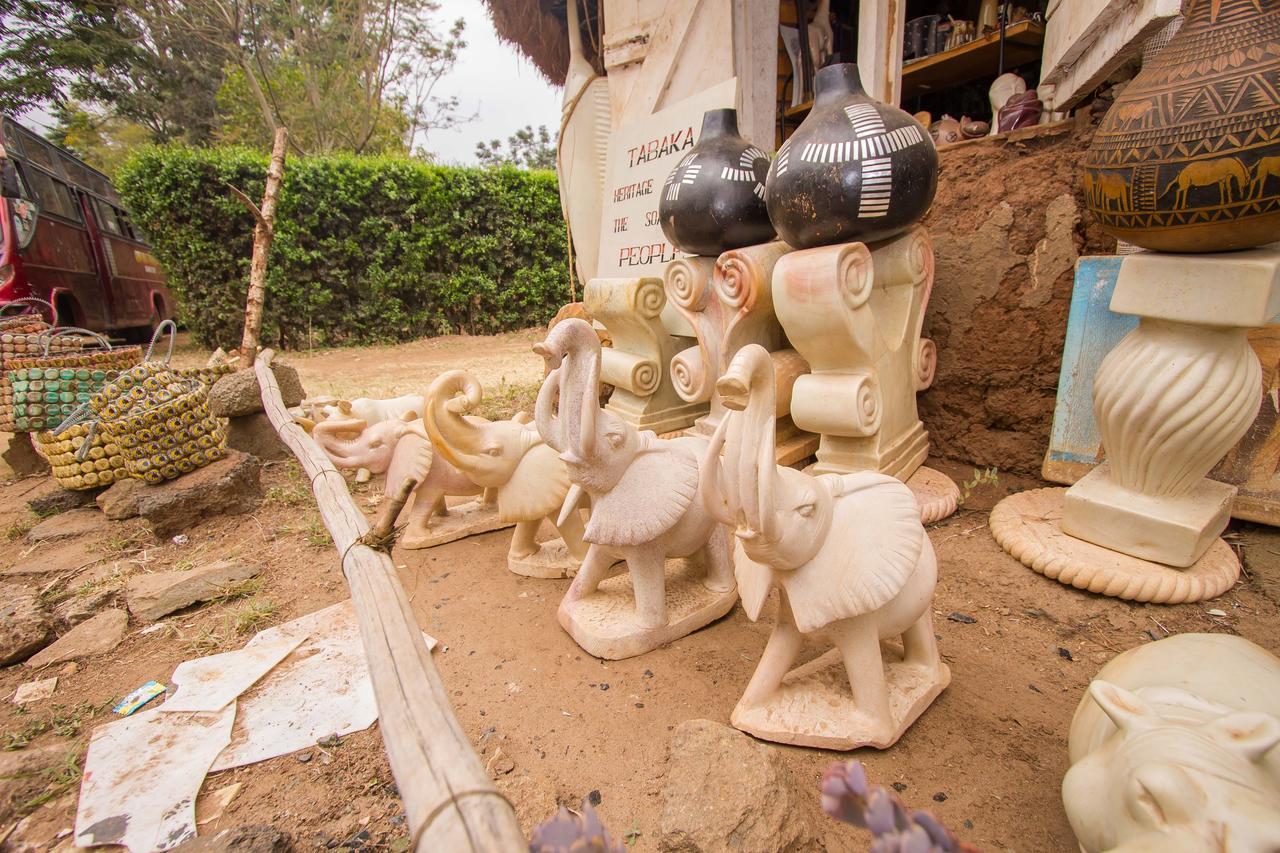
(400, 449)
(645, 508)
(1172, 749)
(509, 456)
(713, 200)
(852, 565)
(855, 169)
(1182, 160)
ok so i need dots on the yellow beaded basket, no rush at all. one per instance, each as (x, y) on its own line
(102, 465)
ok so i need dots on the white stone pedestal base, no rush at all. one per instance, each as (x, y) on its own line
(467, 519)
(1029, 526)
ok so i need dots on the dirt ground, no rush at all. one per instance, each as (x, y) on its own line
(987, 757)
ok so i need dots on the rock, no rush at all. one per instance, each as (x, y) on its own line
(25, 626)
(95, 636)
(727, 792)
(499, 764)
(24, 773)
(120, 501)
(238, 394)
(153, 596)
(50, 499)
(76, 522)
(230, 486)
(81, 607)
(21, 458)
(68, 556)
(254, 434)
(257, 838)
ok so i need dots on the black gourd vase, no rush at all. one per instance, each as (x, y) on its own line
(855, 169)
(713, 200)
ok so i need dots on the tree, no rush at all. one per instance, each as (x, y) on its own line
(102, 141)
(526, 149)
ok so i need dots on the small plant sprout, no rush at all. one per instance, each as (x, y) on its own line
(848, 797)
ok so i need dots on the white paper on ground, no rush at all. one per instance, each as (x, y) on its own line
(321, 688)
(208, 684)
(142, 775)
(34, 691)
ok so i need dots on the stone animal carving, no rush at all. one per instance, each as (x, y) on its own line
(1225, 172)
(1172, 749)
(510, 457)
(645, 507)
(400, 449)
(852, 563)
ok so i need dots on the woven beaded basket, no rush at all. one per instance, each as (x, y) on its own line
(23, 335)
(39, 393)
(102, 464)
(160, 421)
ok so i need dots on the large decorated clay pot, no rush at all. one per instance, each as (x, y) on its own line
(713, 200)
(1188, 157)
(855, 169)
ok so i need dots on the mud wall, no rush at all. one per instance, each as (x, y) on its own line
(1008, 224)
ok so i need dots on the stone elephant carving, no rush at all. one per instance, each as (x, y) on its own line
(528, 476)
(400, 448)
(852, 564)
(1172, 750)
(645, 507)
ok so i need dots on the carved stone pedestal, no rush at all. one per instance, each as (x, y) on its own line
(643, 346)
(854, 312)
(468, 518)
(728, 302)
(1170, 400)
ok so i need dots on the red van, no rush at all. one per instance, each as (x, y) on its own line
(64, 237)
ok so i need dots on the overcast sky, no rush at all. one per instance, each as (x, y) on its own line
(494, 81)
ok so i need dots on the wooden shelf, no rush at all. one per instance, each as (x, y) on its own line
(978, 58)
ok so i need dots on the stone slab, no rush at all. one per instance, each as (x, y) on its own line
(77, 522)
(1028, 526)
(1223, 289)
(254, 434)
(153, 596)
(230, 486)
(50, 499)
(465, 519)
(1175, 531)
(25, 625)
(96, 636)
(120, 500)
(65, 556)
(237, 394)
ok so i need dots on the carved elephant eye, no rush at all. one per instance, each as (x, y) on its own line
(616, 439)
(493, 451)
(805, 510)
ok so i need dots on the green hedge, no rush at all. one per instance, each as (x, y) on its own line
(366, 249)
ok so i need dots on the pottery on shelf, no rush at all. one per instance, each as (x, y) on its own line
(855, 169)
(1023, 110)
(713, 200)
(1188, 157)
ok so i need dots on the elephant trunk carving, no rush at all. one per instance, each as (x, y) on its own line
(452, 395)
(566, 407)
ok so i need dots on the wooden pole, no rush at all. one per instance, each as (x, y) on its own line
(263, 233)
(449, 800)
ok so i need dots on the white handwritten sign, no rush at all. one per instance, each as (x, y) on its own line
(641, 155)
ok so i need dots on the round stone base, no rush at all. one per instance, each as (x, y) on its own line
(1029, 526)
(936, 493)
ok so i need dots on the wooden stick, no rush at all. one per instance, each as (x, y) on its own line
(263, 233)
(449, 800)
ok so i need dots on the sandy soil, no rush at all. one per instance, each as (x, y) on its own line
(987, 758)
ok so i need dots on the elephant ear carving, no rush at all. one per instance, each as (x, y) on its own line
(537, 487)
(653, 494)
(875, 543)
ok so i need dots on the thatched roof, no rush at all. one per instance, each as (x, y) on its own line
(538, 28)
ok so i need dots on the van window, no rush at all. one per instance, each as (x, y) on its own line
(107, 217)
(54, 196)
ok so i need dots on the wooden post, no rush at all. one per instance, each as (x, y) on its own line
(449, 800)
(263, 233)
(881, 24)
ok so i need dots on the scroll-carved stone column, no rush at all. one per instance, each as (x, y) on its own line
(728, 302)
(855, 312)
(637, 363)
(1171, 399)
